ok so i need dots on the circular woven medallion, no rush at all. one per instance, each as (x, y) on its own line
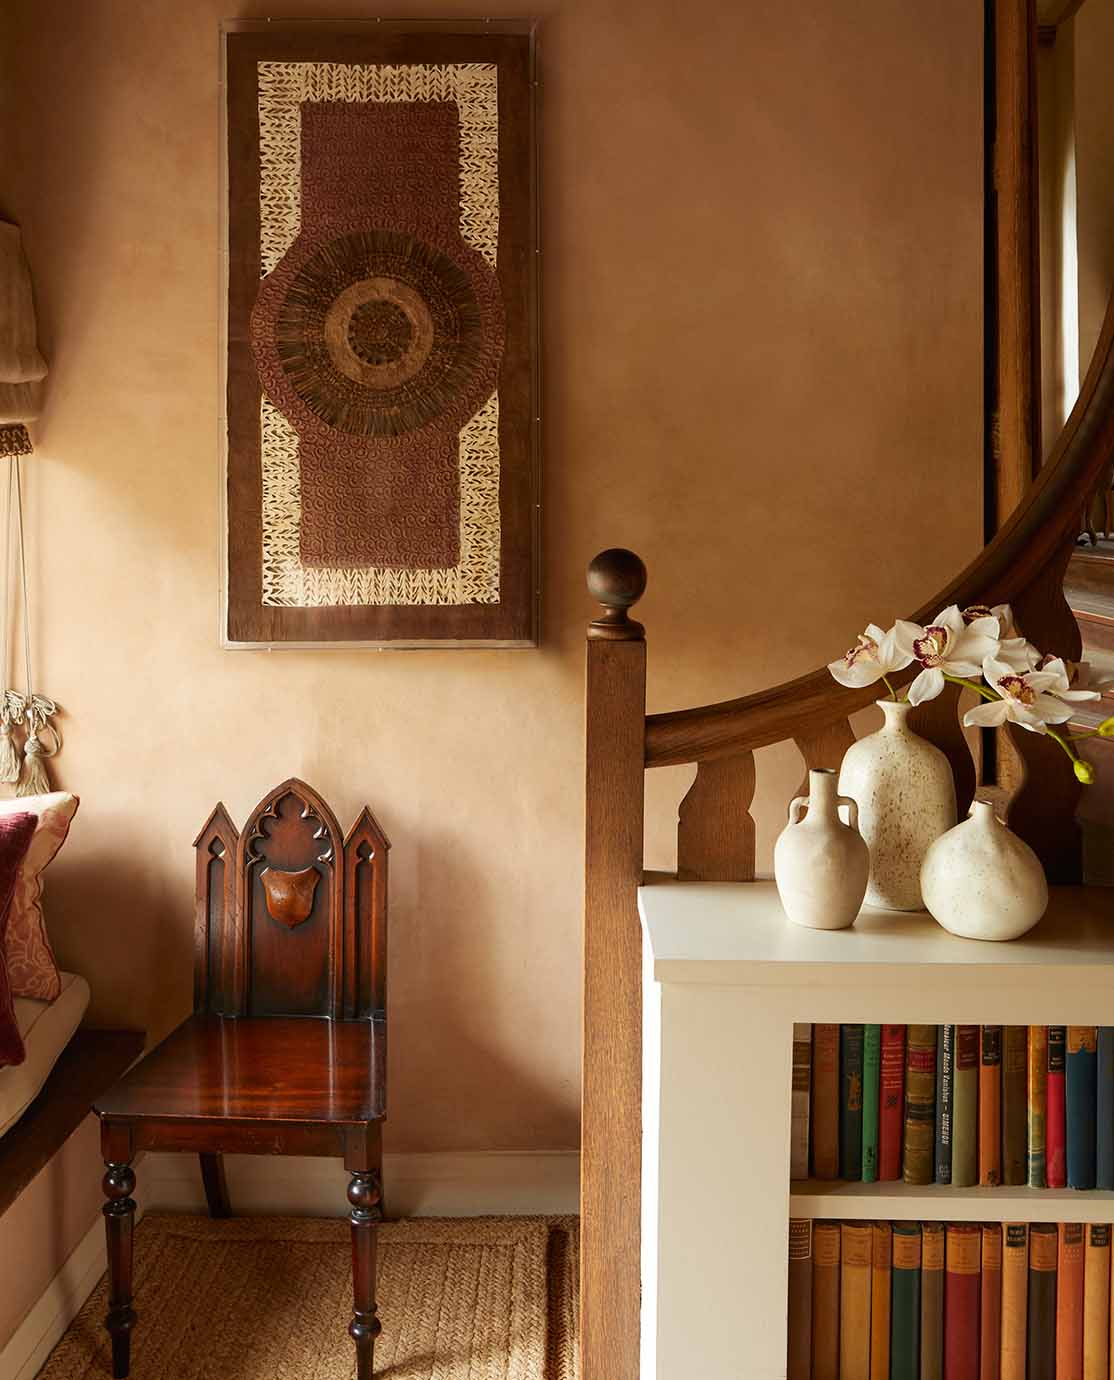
(379, 334)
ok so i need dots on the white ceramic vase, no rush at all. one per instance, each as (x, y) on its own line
(981, 881)
(905, 792)
(821, 864)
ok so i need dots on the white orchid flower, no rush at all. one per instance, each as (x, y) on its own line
(1002, 612)
(950, 646)
(1027, 699)
(872, 658)
(1019, 653)
(1070, 684)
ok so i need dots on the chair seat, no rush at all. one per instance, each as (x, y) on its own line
(275, 1068)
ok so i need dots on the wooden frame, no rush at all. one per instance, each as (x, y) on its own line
(505, 612)
(1023, 565)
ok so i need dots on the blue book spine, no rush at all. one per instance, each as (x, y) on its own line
(1081, 1097)
(945, 1099)
(1104, 1104)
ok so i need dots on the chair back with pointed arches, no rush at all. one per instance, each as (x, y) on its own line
(291, 914)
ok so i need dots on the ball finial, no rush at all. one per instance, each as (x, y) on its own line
(617, 580)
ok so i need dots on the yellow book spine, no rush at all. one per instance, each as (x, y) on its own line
(856, 1254)
(1015, 1299)
(880, 1276)
(1096, 1302)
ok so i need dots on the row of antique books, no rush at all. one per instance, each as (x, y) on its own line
(949, 1301)
(954, 1104)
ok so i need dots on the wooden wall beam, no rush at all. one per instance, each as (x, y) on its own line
(611, 1098)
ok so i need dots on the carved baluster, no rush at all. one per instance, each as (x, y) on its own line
(715, 830)
(119, 1219)
(824, 748)
(611, 1158)
(1043, 810)
(363, 1197)
(939, 721)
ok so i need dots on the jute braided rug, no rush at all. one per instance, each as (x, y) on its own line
(269, 1298)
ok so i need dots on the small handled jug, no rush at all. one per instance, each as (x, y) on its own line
(821, 865)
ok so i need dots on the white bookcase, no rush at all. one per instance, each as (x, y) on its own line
(725, 977)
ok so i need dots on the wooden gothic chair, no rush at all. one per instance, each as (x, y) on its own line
(285, 1053)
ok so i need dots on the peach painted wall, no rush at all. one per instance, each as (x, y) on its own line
(762, 331)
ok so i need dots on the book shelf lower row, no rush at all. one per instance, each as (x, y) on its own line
(946, 1300)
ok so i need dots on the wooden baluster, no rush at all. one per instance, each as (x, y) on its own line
(715, 831)
(939, 722)
(611, 1147)
(824, 748)
(1043, 810)
(363, 1199)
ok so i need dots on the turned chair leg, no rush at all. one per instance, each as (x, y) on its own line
(363, 1195)
(119, 1220)
(216, 1188)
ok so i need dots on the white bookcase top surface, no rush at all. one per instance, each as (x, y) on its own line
(737, 932)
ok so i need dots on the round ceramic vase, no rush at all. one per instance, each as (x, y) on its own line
(821, 864)
(905, 792)
(981, 881)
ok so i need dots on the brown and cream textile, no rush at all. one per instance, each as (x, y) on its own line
(22, 367)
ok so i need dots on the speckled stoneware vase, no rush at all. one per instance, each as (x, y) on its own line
(906, 797)
(981, 881)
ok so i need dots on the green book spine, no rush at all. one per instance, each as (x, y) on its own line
(872, 1069)
(850, 1102)
(905, 1306)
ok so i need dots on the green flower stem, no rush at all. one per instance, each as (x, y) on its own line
(890, 688)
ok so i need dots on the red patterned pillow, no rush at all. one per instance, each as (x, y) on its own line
(16, 833)
(32, 971)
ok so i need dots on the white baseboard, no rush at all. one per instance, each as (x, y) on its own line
(62, 1300)
(449, 1184)
(453, 1184)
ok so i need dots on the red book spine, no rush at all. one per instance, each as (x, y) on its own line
(962, 1270)
(1055, 1134)
(891, 1096)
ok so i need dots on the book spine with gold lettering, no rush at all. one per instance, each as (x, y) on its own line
(1037, 1094)
(1069, 1302)
(1096, 1302)
(932, 1301)
(1081, 1091)
(1055, 1130)
(945, 1108)
(825, 1101)
(891, 1097)
(965, 1107)
(1043, 1248)
(881, 1270)
(905, 1306)
(962, 1272)
(920, 1104)
(1104, 1105)
(872, 1076)
(800, 1299)
(1015, 1294)
(990, 1105)
(851, 1101)
(826, 1240)
(856, 1252)
(990, 1303)
(1015, 1103)
(802, 1067)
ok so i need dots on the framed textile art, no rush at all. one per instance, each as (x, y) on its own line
(382, 408)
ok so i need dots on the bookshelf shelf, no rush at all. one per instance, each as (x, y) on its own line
(941, 1202)
(725, 976)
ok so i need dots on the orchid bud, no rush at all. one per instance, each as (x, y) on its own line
(1106, 728)
(1084, 771)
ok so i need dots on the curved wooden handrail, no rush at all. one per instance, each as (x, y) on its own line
(1031, 540)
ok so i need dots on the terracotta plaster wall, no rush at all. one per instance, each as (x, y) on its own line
(762, 268)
